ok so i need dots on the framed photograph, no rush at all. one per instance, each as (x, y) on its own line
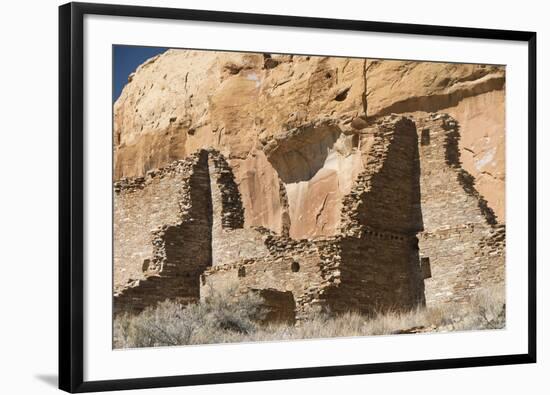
(251, 197)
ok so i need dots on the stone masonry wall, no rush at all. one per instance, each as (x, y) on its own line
(386, 194)
(379, 267)
(230, 240)
(162, 234)
(289, 266)
(413, 230)
(172, 225)
(461, 248)
(373, 265)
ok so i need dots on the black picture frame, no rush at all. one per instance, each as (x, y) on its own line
(71, 197)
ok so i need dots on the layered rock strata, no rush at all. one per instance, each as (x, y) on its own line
(315, 181)
(261, 111)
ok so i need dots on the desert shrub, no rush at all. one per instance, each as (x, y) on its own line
(219, 318)
(486, 311)
(228, 317)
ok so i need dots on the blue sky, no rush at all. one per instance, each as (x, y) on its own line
(126, 59)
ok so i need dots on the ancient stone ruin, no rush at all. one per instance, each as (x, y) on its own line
(337, 208)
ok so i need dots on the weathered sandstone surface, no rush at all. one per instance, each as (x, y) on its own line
(357, 184)
(287, 124)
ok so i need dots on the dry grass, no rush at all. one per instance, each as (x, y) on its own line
(223, 319)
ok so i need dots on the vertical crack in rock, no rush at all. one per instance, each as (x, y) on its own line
(364, 94)
(373, 216)
(372, 264)
(321, 210)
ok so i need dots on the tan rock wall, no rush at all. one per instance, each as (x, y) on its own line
(378, 272)
(295, 268)
(230, 241)
(256, 178)
(397, 86)
(238, 103)
(464, 246)
(317, 165)
(142, 207)
(386, 195)
(374, 268)
(172, 225)
(482, 145)
(163, 228)
(381, 216)
(304, 148)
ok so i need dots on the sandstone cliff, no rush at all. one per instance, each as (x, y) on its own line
(291, 126)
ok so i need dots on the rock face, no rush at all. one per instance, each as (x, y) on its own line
(287, 124)
(461, 245)
(308, 179)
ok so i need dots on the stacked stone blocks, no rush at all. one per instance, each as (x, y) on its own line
(413, 230)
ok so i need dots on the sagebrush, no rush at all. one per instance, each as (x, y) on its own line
(224, 318)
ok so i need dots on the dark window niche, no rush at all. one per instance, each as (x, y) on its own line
(425, 137)
(425, 267)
